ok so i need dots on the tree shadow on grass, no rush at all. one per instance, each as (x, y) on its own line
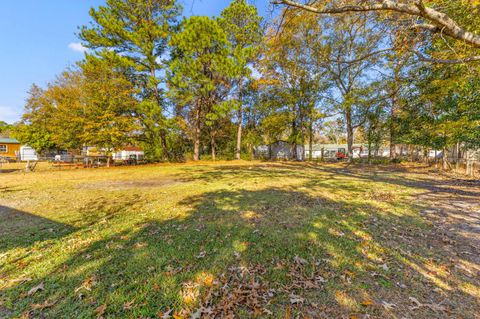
(394, 176)
(252, 253)
(238, 172)
(22, 229)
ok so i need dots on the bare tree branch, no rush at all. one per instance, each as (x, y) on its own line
(424, 58)
(362, 58)
(437, 20)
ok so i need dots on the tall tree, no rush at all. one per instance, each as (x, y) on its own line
(53, 118)
(200, 73)
(138, 31)
(34, 128)
(110, 105)
(349, 39)
(243, 26)
(296, 79)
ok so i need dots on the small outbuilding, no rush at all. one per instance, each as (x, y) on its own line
(27, 153)
(9, 148)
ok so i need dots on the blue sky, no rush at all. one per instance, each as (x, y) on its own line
(38, 41)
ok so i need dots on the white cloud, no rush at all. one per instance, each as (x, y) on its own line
(77, 47)
(10, 114)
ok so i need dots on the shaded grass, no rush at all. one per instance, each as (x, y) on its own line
(142, 241)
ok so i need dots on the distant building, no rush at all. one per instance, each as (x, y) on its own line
(9, 148)
(129, 153)
(280, 150)
(332, 151)
(27, 153)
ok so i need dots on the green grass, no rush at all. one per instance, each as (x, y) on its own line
(243, 239)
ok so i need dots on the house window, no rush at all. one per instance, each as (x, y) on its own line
(3, 148)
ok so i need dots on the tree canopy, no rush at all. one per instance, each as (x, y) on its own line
(380, 73)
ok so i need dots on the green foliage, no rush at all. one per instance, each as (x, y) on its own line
(443, 109)
(92, 105)
(109, 121)
(200, 73)
(243, 27)
(152, 81)
(35, 128)
(138, 31)
(6, 129)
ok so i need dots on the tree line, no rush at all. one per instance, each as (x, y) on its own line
(209, 87)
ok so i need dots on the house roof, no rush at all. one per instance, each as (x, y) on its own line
(8, 140)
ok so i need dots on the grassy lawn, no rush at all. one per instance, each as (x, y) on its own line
(241, 239)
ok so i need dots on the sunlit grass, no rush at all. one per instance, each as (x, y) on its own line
(144, 241)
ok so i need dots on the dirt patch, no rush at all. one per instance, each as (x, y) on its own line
(453, 207)
(131, 184)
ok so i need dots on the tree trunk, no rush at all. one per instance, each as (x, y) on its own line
(348, 117)
(163, 138)
(444, 159)
(294, 143)
(213, 145)
(310, 141)
(238, 151)
(393, 113)
(369, 152)
(196, 135)
(457, 157)
(158, 98)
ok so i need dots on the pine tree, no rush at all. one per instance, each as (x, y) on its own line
(200, 75)
(138, 31)
(244, 30)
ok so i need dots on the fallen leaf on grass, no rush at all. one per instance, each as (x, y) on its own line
(129, 305)
(288, 313)
(100, 310)
(46, 304)
(367, 302)
(418, 304)
(201, 255)
(36, 289)
(165, 315)
(199, 312)
(300, 261)
(21, 280)
(294, 299)
(388, 306)
(267, 312)
(87, 284)
(141, 245)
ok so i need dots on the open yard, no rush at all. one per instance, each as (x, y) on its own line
(273, 240)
